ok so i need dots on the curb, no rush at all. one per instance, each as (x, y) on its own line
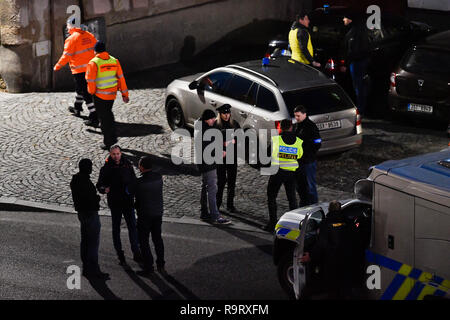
(14, 204)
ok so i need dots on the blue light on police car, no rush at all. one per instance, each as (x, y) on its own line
(326, 8)
(265, 61)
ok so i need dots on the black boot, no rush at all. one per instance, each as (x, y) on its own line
(121, 256)
(93, 120)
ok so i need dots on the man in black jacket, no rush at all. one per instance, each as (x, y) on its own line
(206, 164)
(356, 51)
(86, 202)
(333, 252)
(117, 179)
(307, 130)
(149, 207)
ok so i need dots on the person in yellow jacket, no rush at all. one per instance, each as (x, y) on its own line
(78, 51)
(105, 77)
(300, 41)
(286, 151)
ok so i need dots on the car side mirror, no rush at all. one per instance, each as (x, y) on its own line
(194, 85)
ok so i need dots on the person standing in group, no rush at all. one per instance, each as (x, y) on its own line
(118, 180)
(105, 77)
(300, 41)
(78, 51)
(308, 132)
(227, 172)
(149, 208)
(207, 170)
(356, 52)
(286, 151)
(86, 202)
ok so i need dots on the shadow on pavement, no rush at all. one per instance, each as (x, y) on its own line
(137, 129)
(163, 165)
(141, 284)
(102, 289)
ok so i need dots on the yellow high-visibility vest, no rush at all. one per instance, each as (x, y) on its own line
(297, 53)
(286, 155)
(106, 72)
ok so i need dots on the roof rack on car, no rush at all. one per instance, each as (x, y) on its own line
(254, 73)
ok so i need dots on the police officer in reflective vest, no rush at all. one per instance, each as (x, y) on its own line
(300, 41)
(105, 77)
(286, 151)
(78, 51)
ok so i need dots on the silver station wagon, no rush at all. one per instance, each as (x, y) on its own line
(263, 95)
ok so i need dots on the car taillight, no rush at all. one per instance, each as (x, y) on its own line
(393, 78)
(278, 126)
(358, 122)
(330, 65)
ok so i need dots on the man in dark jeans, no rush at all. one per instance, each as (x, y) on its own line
(149, 207)
(307, 130)
(86, 202)
(117, 179)
(356, 52)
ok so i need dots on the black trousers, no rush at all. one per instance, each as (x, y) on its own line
(226, 174)
(282, 177)
(146, 227)
(90, 240)
(107, 122)
(82, 92)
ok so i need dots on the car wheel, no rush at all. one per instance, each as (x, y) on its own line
(286, 273)
(175, 115)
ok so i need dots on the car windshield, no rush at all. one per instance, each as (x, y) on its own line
(427, 61)
(318, 100)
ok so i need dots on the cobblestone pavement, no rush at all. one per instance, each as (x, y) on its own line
(41, 144)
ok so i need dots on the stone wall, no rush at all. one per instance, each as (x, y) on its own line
(141, 33)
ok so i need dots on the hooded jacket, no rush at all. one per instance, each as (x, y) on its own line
(121, 180)
(78, 51)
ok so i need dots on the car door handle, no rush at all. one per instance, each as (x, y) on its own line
(213, 103)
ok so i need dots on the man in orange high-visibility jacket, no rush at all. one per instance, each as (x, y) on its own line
(78, 51)
(104, 76)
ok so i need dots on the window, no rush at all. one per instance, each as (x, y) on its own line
(216, 82)
(427, 61)
(238, 88)
(266, 100)
(318, 100)
(251, 96)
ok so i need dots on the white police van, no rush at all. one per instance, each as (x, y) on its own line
(402, 222)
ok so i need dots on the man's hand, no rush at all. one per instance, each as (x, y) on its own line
(56, 68)
(125, 99)
(224, 154)
(343, 68)
(305, 258)
(316, 64)
(107, 190)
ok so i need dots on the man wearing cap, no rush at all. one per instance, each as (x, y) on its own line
(208, 168)
(227, 171)
(78, 51)
(104, 76)
(356, 51)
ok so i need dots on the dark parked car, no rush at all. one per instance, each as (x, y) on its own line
(420, 85)
(387, 44)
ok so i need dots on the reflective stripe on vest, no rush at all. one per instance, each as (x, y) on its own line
(104, 78)
(286, 155)
(297, 53)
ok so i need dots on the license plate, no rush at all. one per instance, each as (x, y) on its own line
(420, 108)
(329, 125)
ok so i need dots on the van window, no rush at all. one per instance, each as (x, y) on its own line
(238, 88)
(266, 100)
(318, 100)
(216, 82)
(427, 61)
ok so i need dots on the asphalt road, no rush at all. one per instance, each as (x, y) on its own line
(203, 262)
